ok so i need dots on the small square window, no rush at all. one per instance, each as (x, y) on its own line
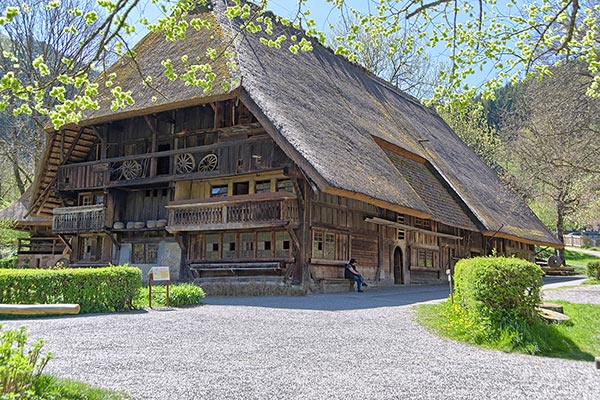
(219, 191)
(215, 247)
(285, 185)
(262, 187)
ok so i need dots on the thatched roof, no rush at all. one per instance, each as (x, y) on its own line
(330, 117)
(17, 212)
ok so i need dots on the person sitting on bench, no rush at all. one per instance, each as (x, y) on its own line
(352, 274)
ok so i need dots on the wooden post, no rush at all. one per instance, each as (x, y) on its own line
(380, 256)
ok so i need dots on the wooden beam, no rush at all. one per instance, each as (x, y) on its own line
(65, 241)
(381, 221)
(39, 309)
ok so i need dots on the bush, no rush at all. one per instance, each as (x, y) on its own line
(593, 269)
(8, 262)
(185, 294)
(501, 290)
(19, 368)
(94, 289)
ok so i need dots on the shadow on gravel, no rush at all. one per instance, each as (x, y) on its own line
(372, 298)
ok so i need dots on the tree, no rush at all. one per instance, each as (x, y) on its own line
(509, 41)
(37, 33)
(412, 71)
(472, 127)
(556, 151)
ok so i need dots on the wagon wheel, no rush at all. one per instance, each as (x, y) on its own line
(208, 163)
(130, 169)
(184, 163)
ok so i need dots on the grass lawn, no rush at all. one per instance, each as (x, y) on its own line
(577, 259)
(577, 340)
(51, 387)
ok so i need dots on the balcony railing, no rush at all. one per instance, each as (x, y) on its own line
(40, 245)
(200, 161)
(236, 212)
(79, 219)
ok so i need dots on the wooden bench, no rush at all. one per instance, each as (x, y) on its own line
(196, 268)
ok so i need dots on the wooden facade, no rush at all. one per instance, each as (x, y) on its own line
(209, 181)
(274, 177)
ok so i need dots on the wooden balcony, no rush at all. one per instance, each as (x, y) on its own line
(40, 245)
(79, 219)
(225, 158)
(235, 212)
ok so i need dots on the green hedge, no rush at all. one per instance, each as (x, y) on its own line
(8, 262)
(94, 289)
(593, 269)
(498, 288)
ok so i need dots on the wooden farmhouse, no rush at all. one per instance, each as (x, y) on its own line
(290, 165)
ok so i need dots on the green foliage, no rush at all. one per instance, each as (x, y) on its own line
(53, 388)
(578, 259)
(577, 340)
(9, 238)
(593, 269)
(94, 289)
(184, 294)
(20, 367)
(500, 290)
(8, 262)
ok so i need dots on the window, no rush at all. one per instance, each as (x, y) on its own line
(400, 220)
(264, 245)
(282, 244)
(424, 258)
(91, 248)
(329, 249)
(240, 188)
(423, 223)
(212, 247)
(229, 241)
(218, 191)
(285, 185)
(246, 245)
(262, 187)
(144, 253)
(317, 244)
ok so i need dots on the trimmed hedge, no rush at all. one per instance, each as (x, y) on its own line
(593, 269)
(498, 288)
(94, 289)
(8, 262)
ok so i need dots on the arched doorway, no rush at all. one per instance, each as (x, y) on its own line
(398, 270)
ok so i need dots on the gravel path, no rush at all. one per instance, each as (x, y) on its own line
(336, 346)
(583, 294)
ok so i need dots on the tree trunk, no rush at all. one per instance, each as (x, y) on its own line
(559, 232)
(17, 174)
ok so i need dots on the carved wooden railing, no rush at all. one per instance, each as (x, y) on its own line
(270, 209)
(79, 219)
(40, 245)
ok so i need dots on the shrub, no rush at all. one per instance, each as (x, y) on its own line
(94, 289)
(499, 289)
(185, 294)
(8, 262)
(593, 269)
(19, 368)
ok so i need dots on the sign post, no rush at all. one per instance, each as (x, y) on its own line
(158, 274)
(449, 273)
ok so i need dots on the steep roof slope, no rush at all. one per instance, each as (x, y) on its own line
(328, 109)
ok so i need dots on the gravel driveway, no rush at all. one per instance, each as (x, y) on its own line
(334, 346)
